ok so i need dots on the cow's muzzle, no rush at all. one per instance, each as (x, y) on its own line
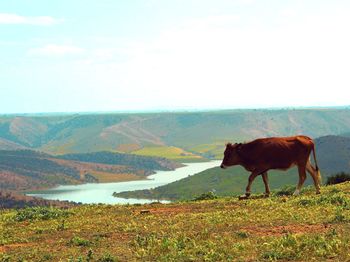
(223, 166)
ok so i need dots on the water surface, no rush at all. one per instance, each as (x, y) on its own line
(102, 192)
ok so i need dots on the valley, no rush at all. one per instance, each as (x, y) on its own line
(43, 151)
(27, 169)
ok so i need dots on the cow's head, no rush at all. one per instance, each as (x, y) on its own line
(231, 155)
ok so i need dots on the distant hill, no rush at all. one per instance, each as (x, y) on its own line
(27, 169)
(333, 156)
(9, 145)
(10, 199)
(136, 161)
(347, 134)
(184, 136)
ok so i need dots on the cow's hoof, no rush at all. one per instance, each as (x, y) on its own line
(267, 195)
(243, 197)
(318, 192)
(296, 193)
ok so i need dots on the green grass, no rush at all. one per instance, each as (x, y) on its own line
(305, 228)
(294, 247)
(213, 151)
(170, 152)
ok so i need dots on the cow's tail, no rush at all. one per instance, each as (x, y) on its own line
(319, 178)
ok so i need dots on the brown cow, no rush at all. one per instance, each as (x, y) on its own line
(281, 153)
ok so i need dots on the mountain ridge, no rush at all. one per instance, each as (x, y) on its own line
(200, 133)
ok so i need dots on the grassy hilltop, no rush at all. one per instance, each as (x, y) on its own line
(303, 228)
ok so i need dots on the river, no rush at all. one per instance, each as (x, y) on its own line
(102, 192)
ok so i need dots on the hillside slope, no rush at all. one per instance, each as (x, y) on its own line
(140, 162)
(10, 199)
(182, 135)
(333, 156)
(27, 169)
(303, 228)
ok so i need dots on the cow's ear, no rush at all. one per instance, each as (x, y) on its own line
(228, 144)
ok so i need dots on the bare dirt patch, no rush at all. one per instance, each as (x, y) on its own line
(165, 210)
(174, 210)
(13, 246)
(287, 229)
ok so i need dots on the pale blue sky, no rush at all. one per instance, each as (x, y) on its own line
(70, 55)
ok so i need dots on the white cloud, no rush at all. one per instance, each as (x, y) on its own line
(288, 13)
(56, 50)
(246, 2)
(212, 63)
(6, 18)
(212, 21)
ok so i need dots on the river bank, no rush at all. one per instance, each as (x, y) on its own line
(92, 193)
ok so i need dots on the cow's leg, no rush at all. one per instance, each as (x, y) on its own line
(251, 178)
(313, 172)
(302, 177)
(266, 183)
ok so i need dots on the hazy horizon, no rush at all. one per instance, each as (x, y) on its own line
(113, 56)
(180, 110)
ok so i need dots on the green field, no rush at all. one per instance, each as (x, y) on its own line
(170, 152)
(305, 228)
(214, 150)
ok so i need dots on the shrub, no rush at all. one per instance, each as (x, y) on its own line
(287, 190)
(242, 234)
(107, 258)
(39, 213)
(205, 196)
(339, 216)
(80, 242)
(306, 202)
(338, 178)
(337, 199)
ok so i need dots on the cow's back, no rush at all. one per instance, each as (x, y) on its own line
(278, 152)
